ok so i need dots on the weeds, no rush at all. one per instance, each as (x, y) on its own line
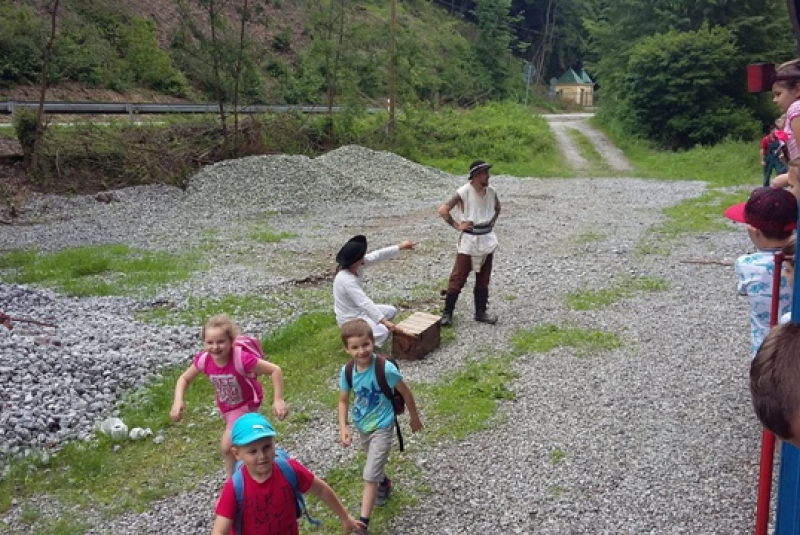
(593, 299)
(544, 338)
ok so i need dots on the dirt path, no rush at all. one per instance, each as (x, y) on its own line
(612, 156)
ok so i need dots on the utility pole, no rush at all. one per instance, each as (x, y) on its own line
(392, 67)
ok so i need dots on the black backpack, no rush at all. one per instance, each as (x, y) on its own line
(398, 403)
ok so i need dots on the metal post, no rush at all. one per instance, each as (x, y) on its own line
(787, 512)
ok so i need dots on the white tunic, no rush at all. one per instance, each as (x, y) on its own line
(349, 299)
(479, 210)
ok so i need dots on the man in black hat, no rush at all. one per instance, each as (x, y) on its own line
(349, 300)
(478, 209)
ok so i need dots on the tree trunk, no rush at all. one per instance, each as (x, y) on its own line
(245, 16)
(37, 141)
(212, 19)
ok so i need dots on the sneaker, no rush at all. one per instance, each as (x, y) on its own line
(384, 490)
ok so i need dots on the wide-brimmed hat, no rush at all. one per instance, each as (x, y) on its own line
(352, 251)
(250, 427)
(771, 210)
(478, 165)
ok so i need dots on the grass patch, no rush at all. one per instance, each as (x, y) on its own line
(269, 236)
(464, 401)
(272, 308)
(589, 151)
(99, 270)
(698, 215)
(556, 456)
(544, 338)
(593, 299)
(589, 237)
(521, 144)
(728, 163)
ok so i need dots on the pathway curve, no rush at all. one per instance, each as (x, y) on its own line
(612, 156)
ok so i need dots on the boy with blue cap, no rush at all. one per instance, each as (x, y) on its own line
(268, 500)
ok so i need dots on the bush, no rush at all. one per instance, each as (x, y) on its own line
(677, 90)
(150, 65)
(25, 129)
(21, 45)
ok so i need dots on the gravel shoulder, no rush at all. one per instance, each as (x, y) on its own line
(657, 436)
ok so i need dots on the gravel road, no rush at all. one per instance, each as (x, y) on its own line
(657, 436)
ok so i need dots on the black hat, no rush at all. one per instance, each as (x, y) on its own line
(478, 165)
(352, 251)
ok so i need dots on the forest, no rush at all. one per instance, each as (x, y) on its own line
(669, 71)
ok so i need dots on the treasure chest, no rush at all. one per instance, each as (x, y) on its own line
(417, 335)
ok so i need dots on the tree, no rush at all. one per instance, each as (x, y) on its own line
(48, 49)
(677, 88)
(495, 44)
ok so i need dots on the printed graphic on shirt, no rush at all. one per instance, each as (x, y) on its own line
(755, 273)
(269, 513)
(365, 405)
(228, 390)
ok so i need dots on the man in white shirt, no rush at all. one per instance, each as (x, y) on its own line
(477, 210)
(349, 300)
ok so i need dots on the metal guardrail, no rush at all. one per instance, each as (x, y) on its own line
(110, 108)
(132, 108)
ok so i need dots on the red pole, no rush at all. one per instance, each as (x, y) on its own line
(767, 438)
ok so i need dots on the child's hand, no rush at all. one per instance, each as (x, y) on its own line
(416, 424)
(345, 437)
(350, 525)
(407, 244)
(177, 411)
(279, 409)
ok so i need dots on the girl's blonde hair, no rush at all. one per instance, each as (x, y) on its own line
(780, 122)
(788, 74)
(221, 321)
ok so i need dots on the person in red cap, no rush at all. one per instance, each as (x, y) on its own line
(478, 210)
(771, 217)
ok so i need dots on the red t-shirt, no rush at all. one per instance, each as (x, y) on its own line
(764, 142)
(268, 508)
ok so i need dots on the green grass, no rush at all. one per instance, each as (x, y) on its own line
(99, 270)
(589, 237)
(517, 142)
(729, 163)
(556, 456)
(269, 236)
(464, 401)
(544, 338)
(597, 164)
(594, 299)
(197, 310)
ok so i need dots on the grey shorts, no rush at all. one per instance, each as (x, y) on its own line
(376, 445)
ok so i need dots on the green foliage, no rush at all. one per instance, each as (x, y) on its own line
(150, 66)
(465, 400)
(626, 33)
(727, 163)
(22, 38)
(676, 89)
(98, 270)
(495, 44)
(545, 338)
(628, 287)
(25, 129)
(518, 143)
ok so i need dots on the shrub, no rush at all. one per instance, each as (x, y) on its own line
(150, 65)
(677, 90)
(25, 128)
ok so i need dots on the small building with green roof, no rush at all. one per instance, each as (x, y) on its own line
(576, 87)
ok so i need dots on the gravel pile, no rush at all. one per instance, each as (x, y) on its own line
(654, 437)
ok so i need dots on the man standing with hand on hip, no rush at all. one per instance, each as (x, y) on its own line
(478, 209)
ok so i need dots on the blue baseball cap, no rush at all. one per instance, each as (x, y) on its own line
(249, 428)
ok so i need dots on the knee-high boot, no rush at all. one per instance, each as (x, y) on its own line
(449, 306)
(481, 300)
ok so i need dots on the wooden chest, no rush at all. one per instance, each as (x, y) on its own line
(421, 334)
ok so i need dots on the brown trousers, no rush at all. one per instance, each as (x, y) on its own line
(460, 273)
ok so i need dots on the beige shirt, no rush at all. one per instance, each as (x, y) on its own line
(480, 210)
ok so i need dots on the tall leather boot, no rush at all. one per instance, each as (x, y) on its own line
(481, 300)
(449, 306)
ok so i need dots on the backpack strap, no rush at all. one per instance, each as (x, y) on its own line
(383, 384)
(348, 373)
(282, 460)
(201, 362)
(238, 488)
